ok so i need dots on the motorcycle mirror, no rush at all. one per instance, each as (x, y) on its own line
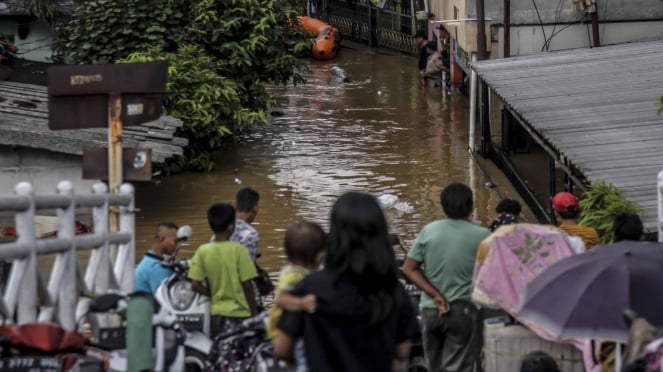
(184, 233)
(105, 303)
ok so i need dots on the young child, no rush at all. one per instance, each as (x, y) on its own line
(304, 246)
(228, 269)
(508, 211)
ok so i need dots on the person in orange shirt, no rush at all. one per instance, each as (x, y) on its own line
(567, 212)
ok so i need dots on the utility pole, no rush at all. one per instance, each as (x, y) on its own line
(481, 31)
(507, 28)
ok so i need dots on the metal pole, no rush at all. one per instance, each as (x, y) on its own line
(595, 27)
(473, 104)
(481, 31)
(507, 28)
(114, 155)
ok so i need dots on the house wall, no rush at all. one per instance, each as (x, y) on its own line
(36, 46)
(44, 169)
(621, 21)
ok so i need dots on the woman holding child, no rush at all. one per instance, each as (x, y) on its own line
(363, 320)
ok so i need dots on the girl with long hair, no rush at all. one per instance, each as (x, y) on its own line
(363, 320)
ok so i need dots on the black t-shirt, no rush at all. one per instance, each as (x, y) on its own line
(338, 337)
(423, 59)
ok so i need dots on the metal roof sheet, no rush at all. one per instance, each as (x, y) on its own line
(596, 106)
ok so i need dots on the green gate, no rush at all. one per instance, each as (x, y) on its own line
(390, 26)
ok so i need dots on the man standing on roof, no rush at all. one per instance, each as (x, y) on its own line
(567, 213)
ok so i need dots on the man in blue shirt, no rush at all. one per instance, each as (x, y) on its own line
(150, 273)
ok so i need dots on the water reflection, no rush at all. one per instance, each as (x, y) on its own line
(380, 132)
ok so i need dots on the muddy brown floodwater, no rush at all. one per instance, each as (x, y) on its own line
(380, 132)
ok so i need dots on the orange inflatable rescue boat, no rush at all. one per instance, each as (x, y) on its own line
(327, 37)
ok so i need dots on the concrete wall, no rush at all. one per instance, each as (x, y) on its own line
(523, 11)
(36, 46)
(621, 21)
(44, 169)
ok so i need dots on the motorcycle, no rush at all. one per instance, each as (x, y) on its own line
(191, 308)
(416, 361)
(247, 347)
(174, 348)
(44, 347)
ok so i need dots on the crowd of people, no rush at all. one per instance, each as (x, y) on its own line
(339, 304)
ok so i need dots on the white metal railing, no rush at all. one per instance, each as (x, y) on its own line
(26, 297)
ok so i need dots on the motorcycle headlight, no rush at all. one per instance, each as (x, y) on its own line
(181, 295)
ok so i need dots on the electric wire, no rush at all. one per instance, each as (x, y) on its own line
(543, 30)
(558, 11)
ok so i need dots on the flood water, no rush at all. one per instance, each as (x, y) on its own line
(380, 132)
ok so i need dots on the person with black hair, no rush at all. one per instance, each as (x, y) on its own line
(628, 226)
(228, 269)
(304, 246)
(246, 203)
(441, 263)
(567, 213)
(421, 38)
(538, 361)
(363, 320)
(150, 273)
(507, 211)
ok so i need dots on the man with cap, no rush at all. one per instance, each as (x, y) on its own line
(567, 212)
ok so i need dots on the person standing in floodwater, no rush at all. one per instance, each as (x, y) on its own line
(441, 263)
(421, 39)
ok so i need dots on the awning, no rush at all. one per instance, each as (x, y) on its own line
(598, 107)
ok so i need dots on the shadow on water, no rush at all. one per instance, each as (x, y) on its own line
(381, 133)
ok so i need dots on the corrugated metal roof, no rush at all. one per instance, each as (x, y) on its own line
(598, 107)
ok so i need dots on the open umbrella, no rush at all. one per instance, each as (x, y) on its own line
(584, 296)
(511, 257)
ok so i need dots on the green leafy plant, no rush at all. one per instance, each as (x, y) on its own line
(102, 31)
(601, 203)
(222, 55)
(208, 103)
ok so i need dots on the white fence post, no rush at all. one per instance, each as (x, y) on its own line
(126, 254)
(24, 275)
(26, 298)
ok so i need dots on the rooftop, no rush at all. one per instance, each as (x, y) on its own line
(598, 107)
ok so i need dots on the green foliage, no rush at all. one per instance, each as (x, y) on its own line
(222, 53)
(601, 203)
(208, 103)
(102, 31)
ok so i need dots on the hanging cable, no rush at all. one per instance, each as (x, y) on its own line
(543, 30)
(558, 11)
(579, 20)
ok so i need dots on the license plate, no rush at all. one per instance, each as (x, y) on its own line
(191, 322)
(30, 364)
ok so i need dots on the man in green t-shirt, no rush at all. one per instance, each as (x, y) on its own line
(228, 269)
(441, 264)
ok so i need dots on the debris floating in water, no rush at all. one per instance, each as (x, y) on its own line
(391, 201)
